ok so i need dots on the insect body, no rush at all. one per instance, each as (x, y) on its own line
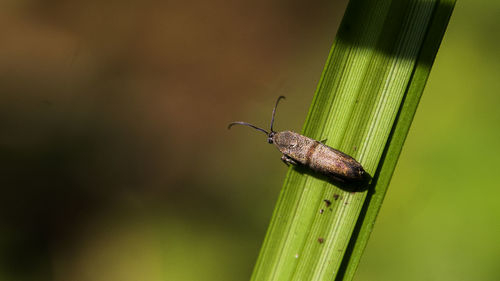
(301, 150)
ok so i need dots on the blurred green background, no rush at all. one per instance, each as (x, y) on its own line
(116, 163)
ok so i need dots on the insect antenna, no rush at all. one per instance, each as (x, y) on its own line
(247, 124)
(274, 111)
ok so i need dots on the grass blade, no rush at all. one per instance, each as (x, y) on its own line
(364, 104)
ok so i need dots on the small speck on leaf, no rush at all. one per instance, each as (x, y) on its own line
(321, 240)
(328, 202)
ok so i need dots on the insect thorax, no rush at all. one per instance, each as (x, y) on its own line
(293, 144)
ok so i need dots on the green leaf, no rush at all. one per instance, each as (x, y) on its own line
(365, 102)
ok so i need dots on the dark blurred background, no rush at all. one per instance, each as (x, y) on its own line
(116, 163)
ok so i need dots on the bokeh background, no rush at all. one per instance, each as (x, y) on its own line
(116, 164)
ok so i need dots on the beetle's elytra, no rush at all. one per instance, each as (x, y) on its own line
(301, 150)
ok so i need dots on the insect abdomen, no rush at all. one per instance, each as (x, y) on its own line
(330, 161)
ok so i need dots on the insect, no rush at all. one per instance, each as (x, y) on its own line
(312, 154)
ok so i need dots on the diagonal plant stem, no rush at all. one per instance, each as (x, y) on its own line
(364, 105)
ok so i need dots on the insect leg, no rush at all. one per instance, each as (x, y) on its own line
(287, 160)
(338, 179)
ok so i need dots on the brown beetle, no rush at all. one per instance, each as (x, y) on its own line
(301, 150)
